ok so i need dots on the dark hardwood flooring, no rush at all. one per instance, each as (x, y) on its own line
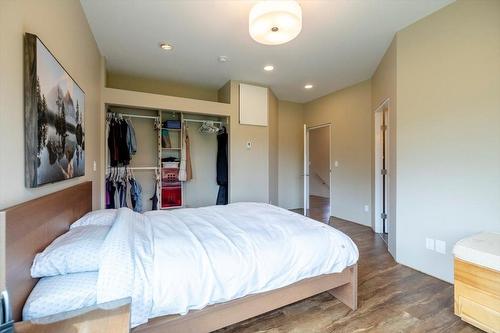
(392, 297)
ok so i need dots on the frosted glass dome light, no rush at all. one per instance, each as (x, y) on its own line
(275, 22)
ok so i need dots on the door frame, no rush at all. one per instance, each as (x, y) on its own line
(381, 112)
(306, 192)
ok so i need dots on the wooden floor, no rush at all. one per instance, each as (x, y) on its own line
(392, 297)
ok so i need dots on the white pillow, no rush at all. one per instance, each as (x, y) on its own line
(96, 217)
(61, 293)
(73, 252)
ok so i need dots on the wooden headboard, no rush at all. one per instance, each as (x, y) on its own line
(30, 227)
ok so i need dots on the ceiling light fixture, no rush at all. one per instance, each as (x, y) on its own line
(223, 58)
(308, 86)
(269, 68)
(275, 22)
(166, 46)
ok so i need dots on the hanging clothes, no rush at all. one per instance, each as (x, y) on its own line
(154, 198)
(131, 139)
(120, 142)
(185, 169)
(222, 167)
(124, 150)
(189, 169)
(135, 195)
(110, 194)
(122, 193)
(113, 135)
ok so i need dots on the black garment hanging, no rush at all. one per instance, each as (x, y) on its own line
(154, 198)
(119, 152)
(110, 194)
(124, 150)
(114, 153)
(222, 167)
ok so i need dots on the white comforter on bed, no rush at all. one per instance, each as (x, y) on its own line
(170, 262)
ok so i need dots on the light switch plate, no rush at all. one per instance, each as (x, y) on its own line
(440, 246)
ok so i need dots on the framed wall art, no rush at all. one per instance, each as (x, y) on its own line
(54, 110)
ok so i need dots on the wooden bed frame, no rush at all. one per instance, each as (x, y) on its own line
(33, 225)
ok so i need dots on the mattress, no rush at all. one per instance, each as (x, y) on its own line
(171, 262)
(482, 249)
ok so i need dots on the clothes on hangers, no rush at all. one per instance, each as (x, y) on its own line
(135, 195)
(222, 167)
(154, 198)
(185, 169)
(113, 137)
(131, 139)
(189, 168)
(110, 194)
(121, 141)
(122, 193)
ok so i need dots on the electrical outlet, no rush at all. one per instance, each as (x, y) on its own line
(94, 167)
(367, 208)
(429, 244)
(440, 246)
(336, 164)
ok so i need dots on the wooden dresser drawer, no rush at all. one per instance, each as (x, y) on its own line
(477, 295)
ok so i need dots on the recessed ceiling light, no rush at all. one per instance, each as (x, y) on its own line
(223, 58)
(268, 68)
(166, 46)
(308, 86)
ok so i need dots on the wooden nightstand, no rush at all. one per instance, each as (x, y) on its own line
(477, 281)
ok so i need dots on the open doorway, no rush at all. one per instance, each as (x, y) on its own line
(381, 171)
(317, 171)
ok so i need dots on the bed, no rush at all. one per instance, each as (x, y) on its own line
(227, 263)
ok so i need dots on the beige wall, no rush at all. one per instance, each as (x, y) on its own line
(290, 154)
(319, 162)
(136, 83)
(202, 189)
(383, 88)
(63, 28)
(273, 120)
(448, 156)
(349, 111)
(2, 251)
(249, 180)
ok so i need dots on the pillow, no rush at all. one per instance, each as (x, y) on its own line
(61, 293)
(73, 252)
(104, 217)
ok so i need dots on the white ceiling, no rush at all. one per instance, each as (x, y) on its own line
(341, 43)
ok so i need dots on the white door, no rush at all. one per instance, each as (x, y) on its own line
(306, 169)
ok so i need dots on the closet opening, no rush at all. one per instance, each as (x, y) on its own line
(164, 159)
(317, 171)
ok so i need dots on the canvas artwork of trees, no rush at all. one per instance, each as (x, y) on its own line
(54, 119)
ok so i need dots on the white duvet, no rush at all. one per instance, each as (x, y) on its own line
(170, 262)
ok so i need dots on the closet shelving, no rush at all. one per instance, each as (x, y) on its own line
(157, 160)
(170, 151)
